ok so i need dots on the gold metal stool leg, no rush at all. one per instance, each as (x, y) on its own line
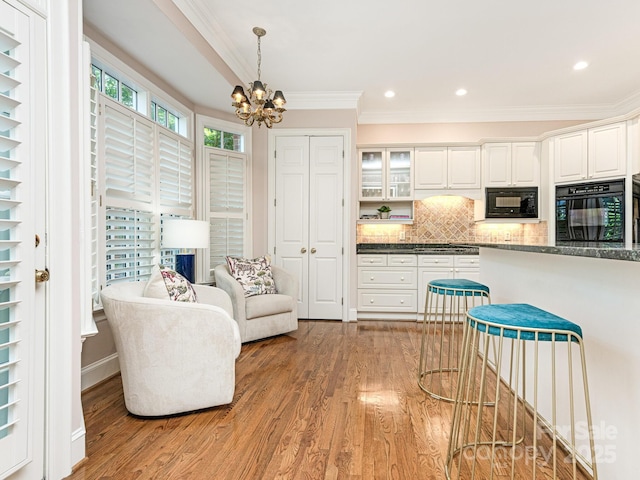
(537, 428)
(446, 304)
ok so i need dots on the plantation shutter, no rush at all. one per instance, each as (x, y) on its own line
(128, 153)
(130, 243)
(176, 177)
(22, 317)
(227, 207)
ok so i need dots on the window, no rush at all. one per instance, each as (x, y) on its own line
(224, 140)
(146, 176)
(114, 88)
(227, 204)
(164, 117)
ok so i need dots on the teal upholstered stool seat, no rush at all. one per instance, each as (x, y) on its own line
(447, 301)
(520, 320)
(457, 286)
(522, 405)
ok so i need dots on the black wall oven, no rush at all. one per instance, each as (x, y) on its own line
(590, 212)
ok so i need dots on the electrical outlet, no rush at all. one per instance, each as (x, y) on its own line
(507, 236)
(402, 235)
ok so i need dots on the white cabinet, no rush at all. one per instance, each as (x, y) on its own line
(386, 178)
(511, 164)
(387, 283)
(598, 152)
(386, 174)
(447, 168)
(434, 267)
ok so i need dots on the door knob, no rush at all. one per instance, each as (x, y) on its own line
(313, 250)
(42, 275)
(303, 250)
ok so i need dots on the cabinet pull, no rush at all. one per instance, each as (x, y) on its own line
(372, 278)
(402, 279)
(401, 301)
(371, 301)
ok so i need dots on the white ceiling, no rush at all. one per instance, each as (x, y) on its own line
(514, 57)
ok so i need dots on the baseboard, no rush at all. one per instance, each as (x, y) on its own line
(78, 442)
(353, 315)
(98, 371)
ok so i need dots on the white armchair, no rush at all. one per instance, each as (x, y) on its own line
(262, 316)
(174, 356)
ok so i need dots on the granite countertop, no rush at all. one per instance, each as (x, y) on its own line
(611, 251)
(417, 248)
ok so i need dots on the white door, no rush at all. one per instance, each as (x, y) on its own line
(22, 216)
(309, 218)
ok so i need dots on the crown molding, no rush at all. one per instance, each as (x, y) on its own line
(203, 19)
(323, 100)
(505, 114)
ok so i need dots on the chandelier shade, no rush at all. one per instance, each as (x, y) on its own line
(259, 105)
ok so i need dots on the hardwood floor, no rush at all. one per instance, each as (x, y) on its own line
(330, 401)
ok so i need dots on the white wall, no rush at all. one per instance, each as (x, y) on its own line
(602, 297)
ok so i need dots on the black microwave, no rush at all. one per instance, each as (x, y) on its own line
(517, 202)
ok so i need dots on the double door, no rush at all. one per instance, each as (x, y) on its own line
(309, 211)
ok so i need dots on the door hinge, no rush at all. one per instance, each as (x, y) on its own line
(100, 204)
(343, 154)
(274, 250)
(342, 301)
(275, 154)
(274, 202)
(342, 250)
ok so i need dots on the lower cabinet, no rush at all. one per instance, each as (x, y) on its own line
(434, 267)
(387, 283)
(396, 284)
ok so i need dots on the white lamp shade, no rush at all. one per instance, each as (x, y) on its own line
(182, 233)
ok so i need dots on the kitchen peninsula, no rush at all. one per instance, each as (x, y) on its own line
(598, 288)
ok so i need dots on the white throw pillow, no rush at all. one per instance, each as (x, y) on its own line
(254, 275)
(165, 283)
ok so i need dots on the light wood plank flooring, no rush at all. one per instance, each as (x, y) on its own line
(330, 401)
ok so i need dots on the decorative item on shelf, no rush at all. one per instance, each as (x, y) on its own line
(399, 217)
(267, 110)
(384, 211)
(186, 235)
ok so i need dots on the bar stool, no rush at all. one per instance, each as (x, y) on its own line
(446, 305)
(534, 427)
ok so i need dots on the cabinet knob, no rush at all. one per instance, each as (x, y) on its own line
(371, 260)
(371, 301)
(402, 279)
(401, 301)
(436, 261)
(371, 278)
(402, 261)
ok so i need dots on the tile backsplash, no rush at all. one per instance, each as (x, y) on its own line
(449, 219)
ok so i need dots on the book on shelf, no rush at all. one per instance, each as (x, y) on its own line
(399, 217)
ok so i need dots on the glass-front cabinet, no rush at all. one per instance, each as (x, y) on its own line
(386, 174)
(386, 180)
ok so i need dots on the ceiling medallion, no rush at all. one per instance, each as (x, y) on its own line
(265, 109)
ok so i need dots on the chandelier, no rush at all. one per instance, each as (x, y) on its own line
(265, 109)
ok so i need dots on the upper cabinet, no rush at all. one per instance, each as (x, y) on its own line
(511, 164)
(386, 174)
(598, 152)
(447, 168)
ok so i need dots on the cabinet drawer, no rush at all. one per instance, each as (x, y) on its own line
(400, 260)
(435, 260)
(387, 301)
(387, 277)
(466, 260)
(368, 259)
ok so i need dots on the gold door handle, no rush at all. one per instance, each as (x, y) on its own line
(303, 250)
(313, 250)
(42, 275)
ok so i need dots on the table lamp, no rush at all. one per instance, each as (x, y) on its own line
(185, 234)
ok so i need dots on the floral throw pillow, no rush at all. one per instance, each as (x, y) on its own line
(166, 283)
(253, 274)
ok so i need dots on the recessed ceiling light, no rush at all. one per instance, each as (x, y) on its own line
(461, 92)
(581, 65)
(389, 94)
